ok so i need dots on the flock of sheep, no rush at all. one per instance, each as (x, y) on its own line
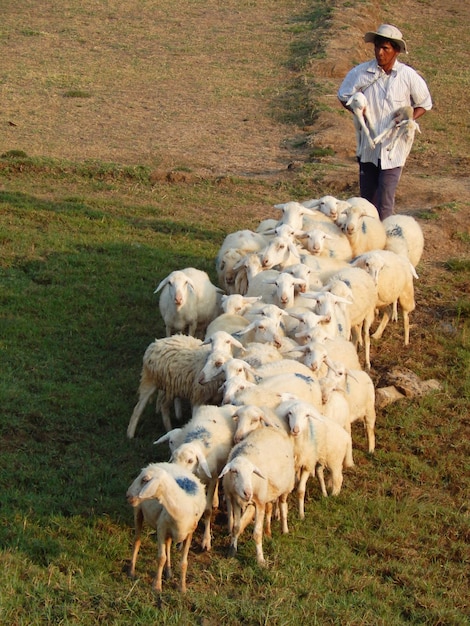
(274, 363)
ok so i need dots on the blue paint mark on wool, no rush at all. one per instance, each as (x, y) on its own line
(311, 432)
(200, 433)
(187, 485)
(396, 231)
(307, 379)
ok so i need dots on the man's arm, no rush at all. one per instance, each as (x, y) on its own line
(418, 112)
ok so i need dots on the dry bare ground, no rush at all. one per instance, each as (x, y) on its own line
(146, 84)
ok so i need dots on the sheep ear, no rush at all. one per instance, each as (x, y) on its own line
(349, 373)
(161, 285)
(203, 463)
(149, 488)
(413, 271)
(268, 421)
(311, 204)
(245, 330)
(258, 472)
(164, 437)
(237, 344)
(331, 365)
(293, 250)
(190, 284)
(225, 470)
(314, 416)
(280, 206)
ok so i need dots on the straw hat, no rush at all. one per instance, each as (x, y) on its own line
(387, 31)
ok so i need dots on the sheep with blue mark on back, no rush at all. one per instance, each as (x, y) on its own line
(204, 445)
(363, 232)
(268, 391)
(404, 236)
(171, 500)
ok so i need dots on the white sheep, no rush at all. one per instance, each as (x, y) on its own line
(393, 275)
(294, 214)
(402, 125)
(237, 303)
(306, 273)
(171, 500)
(357, 285)
(268, 391)
(172, 365)
(230, 323)
(319, 443)
(327, 241)
(334, 207)
(318, 356)
(281, 289)
(260, 470)
(404, 236)
(328, 205)
(359, 391)
(188, 302)
(280, 252)
(322, 266)
(363, 232)
(234, 247)
(250, 417)
(357, 103)
(206, 441)
(334, 309)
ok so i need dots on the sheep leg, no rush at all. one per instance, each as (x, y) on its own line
(321, 479)
(267, 519)
(236, 512)
(301, 492)
(167, 571)
(184, 562)
(164, 406)
(406, 326)
(162, 556)
(369, 424)
(336, 480)
(247, 517)
(215, 500)
(365, 129)
(383, 323)
(146, 390)
(258, 532)
(206, 541)
(178, 405)
(138, 523)
(283, 509)
(366, 324)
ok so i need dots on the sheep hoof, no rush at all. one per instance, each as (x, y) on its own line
(232, 551)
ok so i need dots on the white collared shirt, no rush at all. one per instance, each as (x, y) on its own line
(385, 94)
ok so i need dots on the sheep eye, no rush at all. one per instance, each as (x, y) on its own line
(145, 479)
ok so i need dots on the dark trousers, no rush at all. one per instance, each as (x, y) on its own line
(378, 186)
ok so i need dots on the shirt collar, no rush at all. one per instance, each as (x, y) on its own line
(374, 67)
